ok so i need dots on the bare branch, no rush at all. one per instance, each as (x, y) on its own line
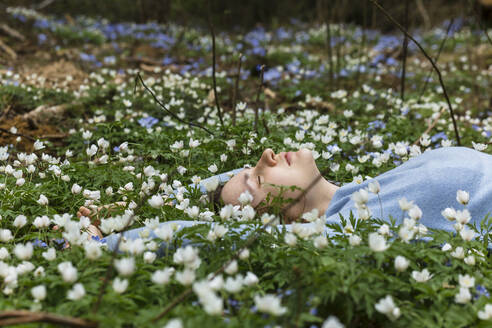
(441, 47)
(168, 111)
(262, 71)
(18, 317)
(214, 55)
(236, 90)
(431, 61)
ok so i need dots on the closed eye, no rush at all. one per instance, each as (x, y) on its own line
(259, 181)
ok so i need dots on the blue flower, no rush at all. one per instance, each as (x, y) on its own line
(39, 243)
(481, 291)
(148, 122)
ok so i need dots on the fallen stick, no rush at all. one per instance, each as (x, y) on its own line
(431, 126)
(9, 51)
(13, 33)
(17, 317)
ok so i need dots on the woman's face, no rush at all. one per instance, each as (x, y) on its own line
(283, 169)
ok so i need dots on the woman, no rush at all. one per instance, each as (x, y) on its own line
(429, 183)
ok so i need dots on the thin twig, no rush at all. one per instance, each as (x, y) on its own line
(431, 61)
(168, 111)
(109, 269)
(17, 317)
(181, 297)
(262, 70)
(405, 52)
(216, 96)
(431, 126)
(441, 47)
(17, 134)
(236, 90)
(329, 49)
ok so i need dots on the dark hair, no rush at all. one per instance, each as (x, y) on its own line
(214, 198)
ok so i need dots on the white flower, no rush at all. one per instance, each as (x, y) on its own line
(23, 252)
(234, 285)
(332, 322)
(250, 279)
(188, 256)
(120, 285)
(374, 187)
(125, 266)
(467, 234)
(401, 263)
(86, 134)
(415, 212)
(486, 314)
(156, 201)
(211, 184)
(290, 239)
(41, 222)
(269, 304)
(185, 277)
(245, 198)
(174, 323)
(446, 247)
(49, 254)
(68, 271)
(38, 145)
(4, 254)
(360, 197)
(320, 242)
(387, 306)
(354, 240)
(149, 257)
(76, 293)
(38, 292)
(91, 151)
(311, 216)
(42, 200)
(470, 260)
(231, 268)
(127, 103)
(463, 296)
(463, 217)
(213, 168)
(405, 205)
(20, 221)
(479, 146)
(462, 197)
(162, 277)
(384, 230)
(165, 232)
(421, 276)
(449, 213)
(377, 242)
(92, 250)
(6, 235)
(458, 253)
(244, 254)
(226, 211)
(466, 281)
(76, 188)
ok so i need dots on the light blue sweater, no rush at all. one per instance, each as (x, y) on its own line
(430, 180)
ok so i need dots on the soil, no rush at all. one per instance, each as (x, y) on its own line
(23, 128)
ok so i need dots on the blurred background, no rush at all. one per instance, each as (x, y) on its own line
(246, 14)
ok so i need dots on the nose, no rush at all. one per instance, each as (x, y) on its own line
(267, 158)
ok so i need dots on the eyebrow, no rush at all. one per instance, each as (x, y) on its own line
(246, 178)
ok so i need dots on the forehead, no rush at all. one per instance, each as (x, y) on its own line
(235, 187)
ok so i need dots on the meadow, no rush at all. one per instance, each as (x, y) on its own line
(97, 113)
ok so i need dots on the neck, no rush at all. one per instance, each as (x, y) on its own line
(321, 195)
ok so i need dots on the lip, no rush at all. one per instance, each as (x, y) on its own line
(288, 157)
